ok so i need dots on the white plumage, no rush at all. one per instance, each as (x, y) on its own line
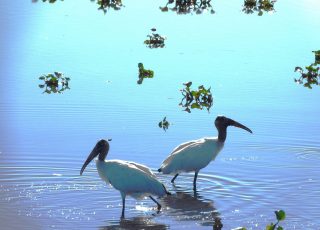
(129, 178)
(194, 155)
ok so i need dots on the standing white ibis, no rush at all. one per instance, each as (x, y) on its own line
(129, 178)
(195, 155)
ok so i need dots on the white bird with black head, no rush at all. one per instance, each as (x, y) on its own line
(129, 178)
(194, 155)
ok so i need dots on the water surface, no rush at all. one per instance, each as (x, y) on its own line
(247, 60)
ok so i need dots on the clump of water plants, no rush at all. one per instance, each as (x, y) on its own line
(281, 215)
(164, 124)
(310, 76)
(155, 40)
(189, 6)
(104, 5)
(50, 1)
(144, 73)
(196, 99)
(316, 56)
(260, 6)
(54, 83)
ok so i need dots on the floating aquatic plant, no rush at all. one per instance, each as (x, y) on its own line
(316, 56)
(54, 83)
(189, 6)
(164, 124)
(196, 99)
(155, 40)
(144, 73)
(50, 1)
(310, 76)
(104, 5)
(260, 6)
(280, 215)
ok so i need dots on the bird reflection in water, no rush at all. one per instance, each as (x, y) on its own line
(140, 222)
(190, 206)
(189, 6)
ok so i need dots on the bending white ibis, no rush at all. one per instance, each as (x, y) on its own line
(194, 155)
(129, 178)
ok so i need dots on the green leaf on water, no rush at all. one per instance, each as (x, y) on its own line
(270, 226)
(281, 215)
(195, 106)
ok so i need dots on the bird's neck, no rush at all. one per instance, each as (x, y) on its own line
(222, 134)
(102, 156)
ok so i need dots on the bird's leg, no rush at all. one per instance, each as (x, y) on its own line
(154, 200)
(123, 195)
(172, 181)
(195, 180)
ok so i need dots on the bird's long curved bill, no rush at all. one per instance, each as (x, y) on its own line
(92, 155)
(237, 124)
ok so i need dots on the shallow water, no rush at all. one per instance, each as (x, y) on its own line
(247, 60)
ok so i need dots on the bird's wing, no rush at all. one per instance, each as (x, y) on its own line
(183, 145)
(182, 152)
(144, 168)
(131, 178)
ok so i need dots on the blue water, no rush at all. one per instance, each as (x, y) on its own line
(247, 60)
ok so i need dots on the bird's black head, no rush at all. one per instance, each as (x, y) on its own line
(101, 149)
(223, 122)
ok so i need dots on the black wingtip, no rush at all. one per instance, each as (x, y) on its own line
(159, 170)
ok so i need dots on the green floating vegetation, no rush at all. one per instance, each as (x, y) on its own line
(155, 40)
(105, 5)
(164, 124)
(188, 6)
(50, 1)
(316, 56)
(280, 215)
(54, 83)
(260, 6)
(310, 76)
(144, 73)
(196, 99)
